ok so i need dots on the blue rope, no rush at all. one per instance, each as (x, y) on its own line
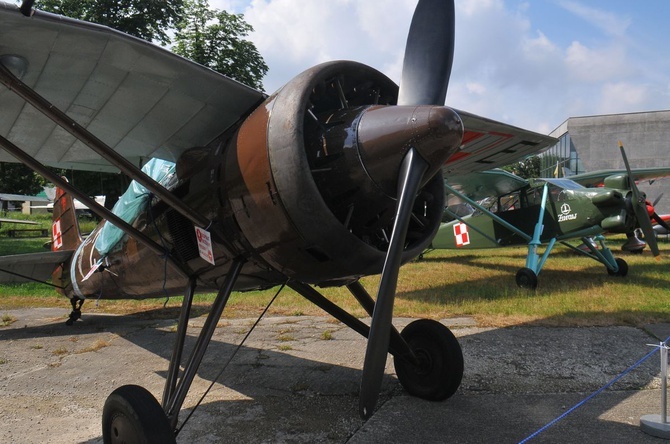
(594, 394)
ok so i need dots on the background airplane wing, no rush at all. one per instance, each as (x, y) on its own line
(95, 74)
(489, 144)
(482, 184)
(4, 220)
(30, 267)
(21, 197)
(596, 178)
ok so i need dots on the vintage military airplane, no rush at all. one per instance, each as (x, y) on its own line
(333, 177)
(509, 210)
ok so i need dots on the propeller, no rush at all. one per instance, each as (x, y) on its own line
(654, 215)
(657, 200)
(640, 208)
(429, 54)
(425, 77)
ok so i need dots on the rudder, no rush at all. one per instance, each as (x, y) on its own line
(65, 234)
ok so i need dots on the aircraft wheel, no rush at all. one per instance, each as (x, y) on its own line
(132, 415)
(440, 368)
(526, 278)
(623, 268)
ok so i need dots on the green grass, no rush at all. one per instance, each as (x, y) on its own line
(573, 290)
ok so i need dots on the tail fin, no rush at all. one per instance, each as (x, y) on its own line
(65, 233)
(65, 236)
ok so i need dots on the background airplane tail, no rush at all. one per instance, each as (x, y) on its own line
(65, 234)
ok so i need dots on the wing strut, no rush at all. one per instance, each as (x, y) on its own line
(98, 209)
(64, 121)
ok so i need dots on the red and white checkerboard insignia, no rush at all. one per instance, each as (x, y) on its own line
(56, 235)
(461, 234)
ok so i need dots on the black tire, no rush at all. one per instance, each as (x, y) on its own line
(526, 278)
(441, 361)
(132, 415)
(623, 268)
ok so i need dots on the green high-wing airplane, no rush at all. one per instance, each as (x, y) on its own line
(508, 210)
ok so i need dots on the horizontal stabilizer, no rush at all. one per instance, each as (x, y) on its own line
(31, 267)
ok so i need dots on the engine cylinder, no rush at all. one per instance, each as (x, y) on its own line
(300, 190)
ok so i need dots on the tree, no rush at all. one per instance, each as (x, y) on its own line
(16, 178)
(215, 39)
(527, 169)
(146, 19)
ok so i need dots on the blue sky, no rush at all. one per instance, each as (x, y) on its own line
(530, 63)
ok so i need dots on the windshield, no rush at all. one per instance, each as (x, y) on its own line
(566, 184)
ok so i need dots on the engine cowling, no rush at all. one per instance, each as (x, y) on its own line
(312, 181)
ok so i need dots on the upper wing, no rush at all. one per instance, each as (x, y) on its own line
(596, 178)
(31, 266)
(488, 144)
(138, 98)
(482, 184)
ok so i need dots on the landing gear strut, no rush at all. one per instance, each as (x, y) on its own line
(75, 314)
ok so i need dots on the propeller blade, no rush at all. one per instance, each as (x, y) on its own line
(657, 200)
(659, 220)
(640, 208)
(411, 172)
(429, 54)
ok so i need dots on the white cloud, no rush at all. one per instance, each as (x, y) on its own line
(596, 64)
(622, 96)
(607, 21)
(509, 65)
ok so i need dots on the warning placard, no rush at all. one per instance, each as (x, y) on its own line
(204, 245)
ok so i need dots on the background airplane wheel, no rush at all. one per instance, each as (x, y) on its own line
(623, 268)
(441, 361)
(526, 278)
(132, 415)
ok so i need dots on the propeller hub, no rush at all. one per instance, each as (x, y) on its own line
(386, 133)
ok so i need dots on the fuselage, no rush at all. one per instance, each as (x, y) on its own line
(303, 188)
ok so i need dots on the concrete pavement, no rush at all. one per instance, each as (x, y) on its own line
(296, 380)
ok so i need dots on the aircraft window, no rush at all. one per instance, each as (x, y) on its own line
(509, 202)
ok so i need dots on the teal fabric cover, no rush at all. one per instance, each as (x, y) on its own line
(131, 203)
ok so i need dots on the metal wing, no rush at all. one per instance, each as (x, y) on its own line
(489, 144)
(596, 178)
(138, 98)
(31, 267)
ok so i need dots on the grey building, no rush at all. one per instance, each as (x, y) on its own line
(592, 143)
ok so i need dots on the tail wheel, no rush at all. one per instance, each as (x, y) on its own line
(526, 278)
(623, 268)
(132, 415)
(440, 369)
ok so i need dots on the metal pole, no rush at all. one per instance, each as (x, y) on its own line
(179, 395)
(664, 383)
(182, 327)
(657, 425)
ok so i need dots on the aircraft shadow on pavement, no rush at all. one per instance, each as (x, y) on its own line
(524, 378)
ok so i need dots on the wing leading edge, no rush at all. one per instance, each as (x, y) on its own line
(596, 178)
(95, 74)
(488, 144)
